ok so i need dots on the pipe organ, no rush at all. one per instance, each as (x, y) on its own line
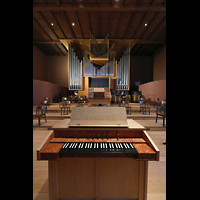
(123, 71)
(76, 73)
(75, 70)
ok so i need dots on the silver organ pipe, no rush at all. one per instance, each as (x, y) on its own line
(75, 69)
(123, 71)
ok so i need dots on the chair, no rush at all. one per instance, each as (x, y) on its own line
(161, 113)
(45, 102)
(40, 113)
(144, 106)
(156, 101)
(48, 100)
(128, 108)
(61, 103)
(66, 105)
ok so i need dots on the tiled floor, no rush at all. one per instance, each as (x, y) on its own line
(156, 171)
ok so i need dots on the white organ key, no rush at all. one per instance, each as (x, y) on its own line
(103, 145)
(67, 145)
(116, 145)
(112, 145)
(91, 145)
(121, 145)
(64, 145)
(70, 145)
(100, 145)
(131, 145)
(79, 145)
(109, 145)
(82, 145)
(106, 145)
(75, 145)
(125, 145)
(97, 145)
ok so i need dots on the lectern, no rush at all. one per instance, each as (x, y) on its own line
(98, 154)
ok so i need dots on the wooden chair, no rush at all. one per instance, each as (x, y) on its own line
(161, 113)
(61, 103)
(40, 113)
(48, 100)
(66, 105)
(128, 108)
(156, 102)
(144, 106)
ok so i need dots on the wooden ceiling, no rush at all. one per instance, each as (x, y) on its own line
(124, 20)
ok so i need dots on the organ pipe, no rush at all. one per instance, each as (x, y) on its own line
(75, 70)
(123, 71)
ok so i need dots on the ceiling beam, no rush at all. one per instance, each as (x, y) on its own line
(86, 39)
(46, 42)
(99, 8)
(151, 42)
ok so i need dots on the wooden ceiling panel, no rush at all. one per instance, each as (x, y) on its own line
(123, 19)
(144, 20)
(104, 20)
(72, 18)
(63, 24)
(158, 30)
(113, 28)
(84, 23)
(52, 21)
(39, 16)
(40, 30)
(123, 24)
(136, 23)
(153, 24)
(95, 24)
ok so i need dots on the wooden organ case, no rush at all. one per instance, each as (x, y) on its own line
(105, 158)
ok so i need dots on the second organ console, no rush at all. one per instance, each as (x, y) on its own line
(103, 158)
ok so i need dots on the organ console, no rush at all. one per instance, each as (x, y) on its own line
(99, 97)
(98, 154)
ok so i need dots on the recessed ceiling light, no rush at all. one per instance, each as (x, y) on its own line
(51, 24)
(145, 24)
(73, 24)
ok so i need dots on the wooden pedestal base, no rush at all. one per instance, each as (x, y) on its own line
(98, 178)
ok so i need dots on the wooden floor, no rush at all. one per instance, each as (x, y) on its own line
(156, 171)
